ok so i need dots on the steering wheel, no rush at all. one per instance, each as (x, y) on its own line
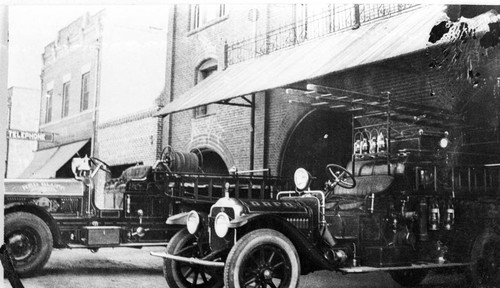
(340, 176)
(100, 164)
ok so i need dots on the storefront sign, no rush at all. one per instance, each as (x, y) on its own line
(29, 135)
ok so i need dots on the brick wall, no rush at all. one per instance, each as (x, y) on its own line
(68, 130)
(414, 77)
(71, 55)
(129, 140)
(227, 130)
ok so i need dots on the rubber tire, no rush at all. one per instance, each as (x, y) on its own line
(251, 241)
(483, 241)
(411, 277)
(171, 268)
(18, 221)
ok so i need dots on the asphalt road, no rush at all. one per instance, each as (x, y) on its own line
(126, 267)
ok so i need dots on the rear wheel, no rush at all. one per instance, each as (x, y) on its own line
(182, 274)
(409, 277)
(485, 257)
(29, 242)
(262, 258)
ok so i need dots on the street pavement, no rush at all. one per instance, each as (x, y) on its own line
(127, 267)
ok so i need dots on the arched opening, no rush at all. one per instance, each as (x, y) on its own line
(319, 139)
(211, 162)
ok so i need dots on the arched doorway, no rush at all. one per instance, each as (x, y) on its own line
(319, 139)
(211, 162)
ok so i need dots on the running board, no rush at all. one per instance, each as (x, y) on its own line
(367, 269)
(80, 246)
(190, 260)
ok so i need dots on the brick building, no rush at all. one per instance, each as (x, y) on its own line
(23, 105)
(234, 70)
(100, 81)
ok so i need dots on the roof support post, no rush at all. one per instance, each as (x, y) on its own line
(357, 21)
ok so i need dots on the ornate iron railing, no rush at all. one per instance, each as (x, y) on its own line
(338, 18)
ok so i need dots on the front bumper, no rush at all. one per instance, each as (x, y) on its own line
(189, 260)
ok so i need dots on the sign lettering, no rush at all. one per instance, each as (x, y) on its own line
(29, 135)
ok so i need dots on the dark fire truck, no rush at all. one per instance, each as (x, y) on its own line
(42, 214)
(406, 203)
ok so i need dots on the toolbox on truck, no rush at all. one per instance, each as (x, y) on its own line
(102, 235)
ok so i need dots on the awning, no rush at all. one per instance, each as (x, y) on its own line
(46, 162)
(372, 42)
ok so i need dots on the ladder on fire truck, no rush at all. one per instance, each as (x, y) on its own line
(373, 116)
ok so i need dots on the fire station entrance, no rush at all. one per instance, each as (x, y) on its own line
(318, 139)
(211, 162)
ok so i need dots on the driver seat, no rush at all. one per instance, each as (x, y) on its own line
(366, 185)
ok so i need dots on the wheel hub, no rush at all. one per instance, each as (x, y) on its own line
(20, 247)
(267, 274)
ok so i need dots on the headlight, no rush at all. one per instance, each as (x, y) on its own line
(444, 142)
(193, 222)
(302, 179)
(221, 224)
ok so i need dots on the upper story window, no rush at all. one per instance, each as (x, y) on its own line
(202, 14)
(48, 106)
(84, 97)
(65, 100)
(207, 68)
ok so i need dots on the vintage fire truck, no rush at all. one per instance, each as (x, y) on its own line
(406, 203)
(94, 211)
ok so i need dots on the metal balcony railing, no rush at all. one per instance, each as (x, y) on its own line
(338, 18)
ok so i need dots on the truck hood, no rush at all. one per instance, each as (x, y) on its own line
(280, 206)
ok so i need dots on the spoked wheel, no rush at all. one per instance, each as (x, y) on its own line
(182, 274)
(410, 277)
(29, 242)
(485, 256)
(262, 258)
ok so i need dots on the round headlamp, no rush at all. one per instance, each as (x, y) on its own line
(193, 222)
(444, 142)
(221, 224)
(302, 179)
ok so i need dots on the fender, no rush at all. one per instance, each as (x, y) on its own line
(181, 218)
(243, 220)
(177, 219)
(42, 214)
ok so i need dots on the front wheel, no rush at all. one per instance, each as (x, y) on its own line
(29, 242)
(485, 258)
(410, 277)
(182, 274)
(262, 258)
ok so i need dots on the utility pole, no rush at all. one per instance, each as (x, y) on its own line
(4, 92)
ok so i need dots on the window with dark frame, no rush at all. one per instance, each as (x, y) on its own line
(48, 106)
(84, 98)
(65, 100)
(202, 14)
(206, 69)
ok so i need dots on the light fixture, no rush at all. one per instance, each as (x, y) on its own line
(444, 142)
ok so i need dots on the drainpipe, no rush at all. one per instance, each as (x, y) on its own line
(252, 133)
(96, 98)
(170, 92)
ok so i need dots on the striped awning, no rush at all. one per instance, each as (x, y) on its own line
(46, 162)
